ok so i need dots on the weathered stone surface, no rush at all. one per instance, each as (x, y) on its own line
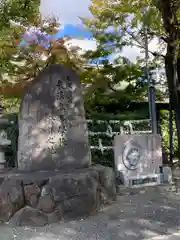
(55, 216)
(80, 205)
(39, 183)
(29, 216)
(107, 186)
(1, 180)
(66, 186)
(11, 198)
(52, 126)
(32, 193)
(64, 196)
(75, 193)
(46, 204)
(138, 157)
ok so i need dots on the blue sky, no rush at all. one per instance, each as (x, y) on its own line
(77, 32)
(74, 31)
(68, 13)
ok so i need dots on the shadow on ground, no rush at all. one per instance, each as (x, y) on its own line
(134, 217)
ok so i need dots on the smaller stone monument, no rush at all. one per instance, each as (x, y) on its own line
(138, 159)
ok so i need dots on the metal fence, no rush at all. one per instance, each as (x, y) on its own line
(102, 132)
(101, 135)
(108, 129)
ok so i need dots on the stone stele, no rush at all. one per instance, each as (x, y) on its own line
(52, 126)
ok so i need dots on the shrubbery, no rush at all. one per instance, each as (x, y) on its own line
(97, 130)
(164, 123)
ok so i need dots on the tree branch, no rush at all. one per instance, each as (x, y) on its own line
(155, 54)
(26, 4)
(111, 88)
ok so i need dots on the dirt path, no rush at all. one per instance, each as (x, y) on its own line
(142, 216)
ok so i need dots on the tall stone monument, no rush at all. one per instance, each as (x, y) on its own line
(52, 126)
(55, 180)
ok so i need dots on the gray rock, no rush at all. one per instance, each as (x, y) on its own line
(1, 180)
(64, 196)
(52, 126)
(107, 185)
(29, 216)
(46, 191)
(39, 183)
(11, 198)
(32, 193)
(80, 206)
(55, 216)
(66, 186)
(46, 204)
(75, 193)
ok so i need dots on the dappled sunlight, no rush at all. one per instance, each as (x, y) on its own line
(52, 127)
(136, 217)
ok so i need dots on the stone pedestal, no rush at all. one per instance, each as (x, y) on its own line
(40, 198)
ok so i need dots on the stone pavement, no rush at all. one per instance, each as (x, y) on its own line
(153, 215)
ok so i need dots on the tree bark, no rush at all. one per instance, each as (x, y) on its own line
(173, 86)
(168, 9)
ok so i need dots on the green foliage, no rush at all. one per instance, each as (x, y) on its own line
(164, 123)
(17, 10)
(130, 21)
(14, 16)
(12, 134)
(98, 130)
(127, 115)
(20, 65)
(11, 105)
(117, 81)
(110, 83)
(114, 83)
(127, 19)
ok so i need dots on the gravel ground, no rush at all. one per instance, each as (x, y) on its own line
(152, 215)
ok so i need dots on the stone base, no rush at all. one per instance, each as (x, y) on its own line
(144, 180)
(163, 177)
(40, 198)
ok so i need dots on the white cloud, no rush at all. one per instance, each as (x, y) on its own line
(130, 52)
(133, 52)
(68, 11)
(83, 44)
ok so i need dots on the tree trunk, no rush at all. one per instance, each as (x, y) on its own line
(173, 86)
(168, 9)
